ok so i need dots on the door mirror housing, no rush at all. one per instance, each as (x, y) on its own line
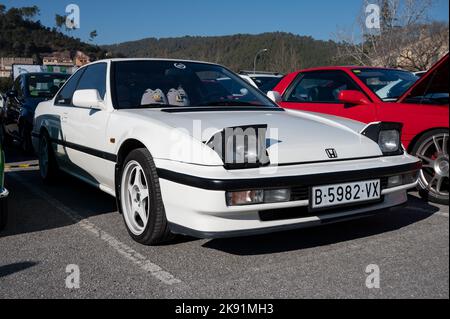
(352, 97)
(274, 96)
(89, 99)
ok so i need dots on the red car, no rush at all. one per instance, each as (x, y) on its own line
(369, 94)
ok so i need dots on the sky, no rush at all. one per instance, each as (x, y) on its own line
(120, 21)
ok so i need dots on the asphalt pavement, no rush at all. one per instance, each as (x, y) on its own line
(54, 231)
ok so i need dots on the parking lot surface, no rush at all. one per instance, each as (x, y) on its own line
(70, 223)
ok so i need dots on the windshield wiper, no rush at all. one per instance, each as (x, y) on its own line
(229, 103)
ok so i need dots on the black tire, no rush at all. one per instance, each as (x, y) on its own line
(418, 148)
(157, 229)
(7, 140)
(3, 213)
(25, 140)
(49, 172)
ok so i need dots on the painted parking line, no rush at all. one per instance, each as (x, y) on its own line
(122, 249)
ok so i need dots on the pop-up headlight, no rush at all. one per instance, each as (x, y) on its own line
(387, 135)
(241, 147)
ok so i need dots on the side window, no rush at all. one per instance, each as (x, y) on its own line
(65, 95)
(321, 87)
(94, 78)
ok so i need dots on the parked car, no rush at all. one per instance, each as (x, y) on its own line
(374, 94)
(28, 91)
(265, 81)
(3, 192)
(184, 155)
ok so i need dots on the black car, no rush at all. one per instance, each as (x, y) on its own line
(21, 101)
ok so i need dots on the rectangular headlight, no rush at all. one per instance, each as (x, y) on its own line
(389, 141)
(387, 135)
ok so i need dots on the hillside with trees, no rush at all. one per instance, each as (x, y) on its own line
(21, 35)
(286, 51)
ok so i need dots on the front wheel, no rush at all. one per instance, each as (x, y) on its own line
(140, 200)
(48, 168)
(432, 149)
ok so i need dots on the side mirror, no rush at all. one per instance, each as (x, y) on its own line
(88, 99)
(274, 96)
(353, 97)
(12, 94)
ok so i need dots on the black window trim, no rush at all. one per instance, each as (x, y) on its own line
(300, 76)
(83, 69)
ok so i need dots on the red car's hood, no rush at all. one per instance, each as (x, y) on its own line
(434, 81)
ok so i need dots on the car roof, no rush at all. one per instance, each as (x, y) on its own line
(346, 68)
(151, 59)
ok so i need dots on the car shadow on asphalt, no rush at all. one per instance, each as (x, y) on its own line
(388, 221)
(10, 269)
(29, 212)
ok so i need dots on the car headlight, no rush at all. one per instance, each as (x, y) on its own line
(389, 141)
(241, 147)
(387, 135)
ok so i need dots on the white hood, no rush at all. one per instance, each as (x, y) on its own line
(292, 136)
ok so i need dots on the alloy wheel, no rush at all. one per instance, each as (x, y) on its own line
(434, 176)
(135, 198)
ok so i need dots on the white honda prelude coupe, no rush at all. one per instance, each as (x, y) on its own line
(191, 148)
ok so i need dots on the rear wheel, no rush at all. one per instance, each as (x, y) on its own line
(25, 140)
(48, 168)
(140, 200)
(432, 149)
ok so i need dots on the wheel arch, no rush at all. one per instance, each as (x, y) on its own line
(125, 148)
(414, 141)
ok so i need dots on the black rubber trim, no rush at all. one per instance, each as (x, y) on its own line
(222, 109)
(97, 153)
(283, 181)
(177, 229)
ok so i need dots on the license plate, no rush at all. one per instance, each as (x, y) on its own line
(343, 194)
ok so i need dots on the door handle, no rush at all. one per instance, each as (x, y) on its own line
(64, 117)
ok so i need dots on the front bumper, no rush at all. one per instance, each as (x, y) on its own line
(195, 203)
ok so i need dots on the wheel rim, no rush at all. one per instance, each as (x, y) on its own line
(135, 198)
(43, 157)
(434, 176)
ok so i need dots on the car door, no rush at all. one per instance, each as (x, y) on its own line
(318, 91)
(86, 132)
(57, 123)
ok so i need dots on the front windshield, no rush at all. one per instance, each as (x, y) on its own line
(141, 84)
(45, 85)
(388, 84)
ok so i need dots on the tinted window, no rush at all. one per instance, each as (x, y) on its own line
(65, 95)
(168, 83)
(321, 87)
(94, 78)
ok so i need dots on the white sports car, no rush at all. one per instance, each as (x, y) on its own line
(185, 152)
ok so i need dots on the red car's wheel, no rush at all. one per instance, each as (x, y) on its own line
(432, 149)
